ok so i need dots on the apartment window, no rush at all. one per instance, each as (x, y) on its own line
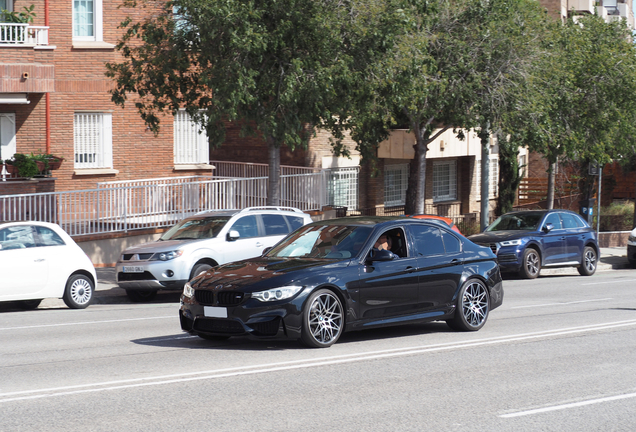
(93, 138)
(87, 20)
(396, 179)
(6, 5)
(444, 180)
(190, 143)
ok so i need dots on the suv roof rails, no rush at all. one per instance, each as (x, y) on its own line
(280, 208)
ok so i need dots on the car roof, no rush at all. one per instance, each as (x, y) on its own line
(260, 210)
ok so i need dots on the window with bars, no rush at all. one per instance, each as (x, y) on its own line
(493, 186)
(93, 140)
(343, 187)
(444, 180)
(87, 20)
(396, 179)
(190, 146)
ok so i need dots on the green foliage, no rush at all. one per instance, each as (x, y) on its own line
(25, 164)
(23, 17)
(618, 216)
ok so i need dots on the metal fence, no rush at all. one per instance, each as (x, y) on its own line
(151, 203)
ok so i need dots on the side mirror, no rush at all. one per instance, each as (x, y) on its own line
(233, 235)
(380, 255)
(547, 228)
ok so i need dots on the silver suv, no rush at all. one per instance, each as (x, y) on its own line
(200, 242)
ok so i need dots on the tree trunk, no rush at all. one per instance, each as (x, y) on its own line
(273, 181)
(416, 191)
(484, 136)
(551, 177)
(509, 176)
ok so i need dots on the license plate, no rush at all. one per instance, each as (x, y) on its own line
(215, 312)
(133, 269)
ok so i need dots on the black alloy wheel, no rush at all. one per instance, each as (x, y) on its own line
(323, 319)
(530, 264)
(588, 262)
(473, 306)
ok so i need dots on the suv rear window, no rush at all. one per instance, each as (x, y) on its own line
(275, 224)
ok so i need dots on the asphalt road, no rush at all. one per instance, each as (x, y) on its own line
(559, 355)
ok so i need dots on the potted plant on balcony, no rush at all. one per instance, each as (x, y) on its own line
(24, 165)
(47, 162)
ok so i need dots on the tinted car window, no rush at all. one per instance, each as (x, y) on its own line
(451, 243)
(428, 240)
(295, 222)
(553, 218)
(48, 237)
(330, 241)
(569, 221)
(246, 226)
(274, 224)
(516, 221)
(17, 237)
(579, 220)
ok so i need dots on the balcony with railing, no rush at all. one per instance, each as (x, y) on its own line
(23, 35)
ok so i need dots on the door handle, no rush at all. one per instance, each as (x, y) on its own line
(39, 260)
(410, 269)
(259, 244)
(455, 261)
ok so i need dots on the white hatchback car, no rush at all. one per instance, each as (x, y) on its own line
(200, 242)
(39, 260)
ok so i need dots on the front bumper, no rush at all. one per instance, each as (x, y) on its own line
(509, 259)
(250, 318)
(154, 275)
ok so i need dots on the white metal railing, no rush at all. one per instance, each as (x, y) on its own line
(151, 203)
(23, 34)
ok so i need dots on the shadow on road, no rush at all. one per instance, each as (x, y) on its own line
(245, 343)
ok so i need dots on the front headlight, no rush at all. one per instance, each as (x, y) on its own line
(166, 256)
(275, 294)
(188, 291)
(511, 243)
(632, 238)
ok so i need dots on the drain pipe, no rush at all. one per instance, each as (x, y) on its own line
(47, 95)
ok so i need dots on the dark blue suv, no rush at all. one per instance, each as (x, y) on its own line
(525, 241)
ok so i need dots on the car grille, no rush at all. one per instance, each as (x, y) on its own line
(123, 277)
(492, 246)
(212, 325)
(223, 298)
(137, 257)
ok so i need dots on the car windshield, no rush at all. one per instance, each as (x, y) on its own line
(196, 228)
(516, 221)
(323, 241)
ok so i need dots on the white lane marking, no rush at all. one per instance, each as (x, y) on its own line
(568, 406)
(609, 282)
(296, 364)
(86, 322)
(562, 303)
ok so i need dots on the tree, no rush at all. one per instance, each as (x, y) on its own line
(268, 65)
(581, 102)
(452, 66)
